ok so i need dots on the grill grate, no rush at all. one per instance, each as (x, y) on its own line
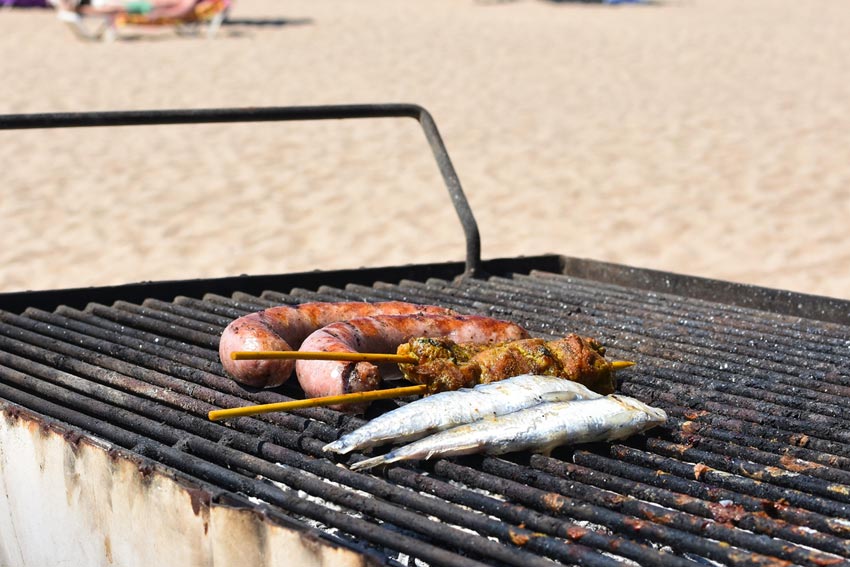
(751, 468)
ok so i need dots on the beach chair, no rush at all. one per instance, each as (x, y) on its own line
(206, 15)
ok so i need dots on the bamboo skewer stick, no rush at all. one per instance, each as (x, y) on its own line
(354, 398)
(353, 357)
(343, 399)
(302, 355)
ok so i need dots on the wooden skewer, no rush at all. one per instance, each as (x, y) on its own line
(352, 357)
(301, 355)
(354, 398)
(343, 399)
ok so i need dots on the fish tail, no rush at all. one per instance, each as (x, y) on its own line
(372, 462)
(338, 447)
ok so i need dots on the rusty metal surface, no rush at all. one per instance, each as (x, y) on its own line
(751, 468)
(67, 498)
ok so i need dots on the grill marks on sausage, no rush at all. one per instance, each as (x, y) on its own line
(285, 328)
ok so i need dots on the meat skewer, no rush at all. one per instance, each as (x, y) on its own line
(383, 334)
(360, 397)
(446, 365)
(540, 428)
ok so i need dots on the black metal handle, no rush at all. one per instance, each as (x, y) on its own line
(273, 114)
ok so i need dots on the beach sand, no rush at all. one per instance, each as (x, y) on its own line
(704, 137)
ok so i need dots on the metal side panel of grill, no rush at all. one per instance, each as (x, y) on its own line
(751, 468)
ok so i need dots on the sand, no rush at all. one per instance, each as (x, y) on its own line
(704, 137)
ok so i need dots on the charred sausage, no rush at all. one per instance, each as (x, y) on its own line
(383, 334)
(286, 327)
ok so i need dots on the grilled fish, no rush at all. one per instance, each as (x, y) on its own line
(540, 428)
(450, 409)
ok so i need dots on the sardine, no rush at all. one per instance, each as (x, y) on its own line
(450, 409)
(540, 428)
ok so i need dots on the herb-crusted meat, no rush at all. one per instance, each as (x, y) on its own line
(445, 365)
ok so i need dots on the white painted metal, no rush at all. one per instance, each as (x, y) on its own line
(68, 504)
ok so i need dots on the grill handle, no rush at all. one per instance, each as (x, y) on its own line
(277, 114)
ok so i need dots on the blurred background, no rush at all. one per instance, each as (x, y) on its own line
(704, 137)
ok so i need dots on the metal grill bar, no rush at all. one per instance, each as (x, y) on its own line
(573, 301)
(518, 515)
(600, 325)
(777, 417)
(711, 352)
(158, 326)
(519, 490)
(753, 435)
(831, 409)
(772, 459)
(698, 508)
(220, 475)
(182, 423)
(831, 490)
(181, 420)
(125, 363)
(696, 482)
(703, 375)
(514, 297)
(679, 525)
(675, 493)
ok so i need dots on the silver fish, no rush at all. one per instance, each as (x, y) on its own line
(450, 409)
(540, 428)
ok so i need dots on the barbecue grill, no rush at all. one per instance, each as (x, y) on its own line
(108, 459)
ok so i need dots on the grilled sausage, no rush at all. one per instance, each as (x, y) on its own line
(383, 334)
(285, 327)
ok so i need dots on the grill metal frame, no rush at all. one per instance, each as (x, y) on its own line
(754, 460)
(751, 468)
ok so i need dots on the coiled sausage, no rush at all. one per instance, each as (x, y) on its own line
(285, 328)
